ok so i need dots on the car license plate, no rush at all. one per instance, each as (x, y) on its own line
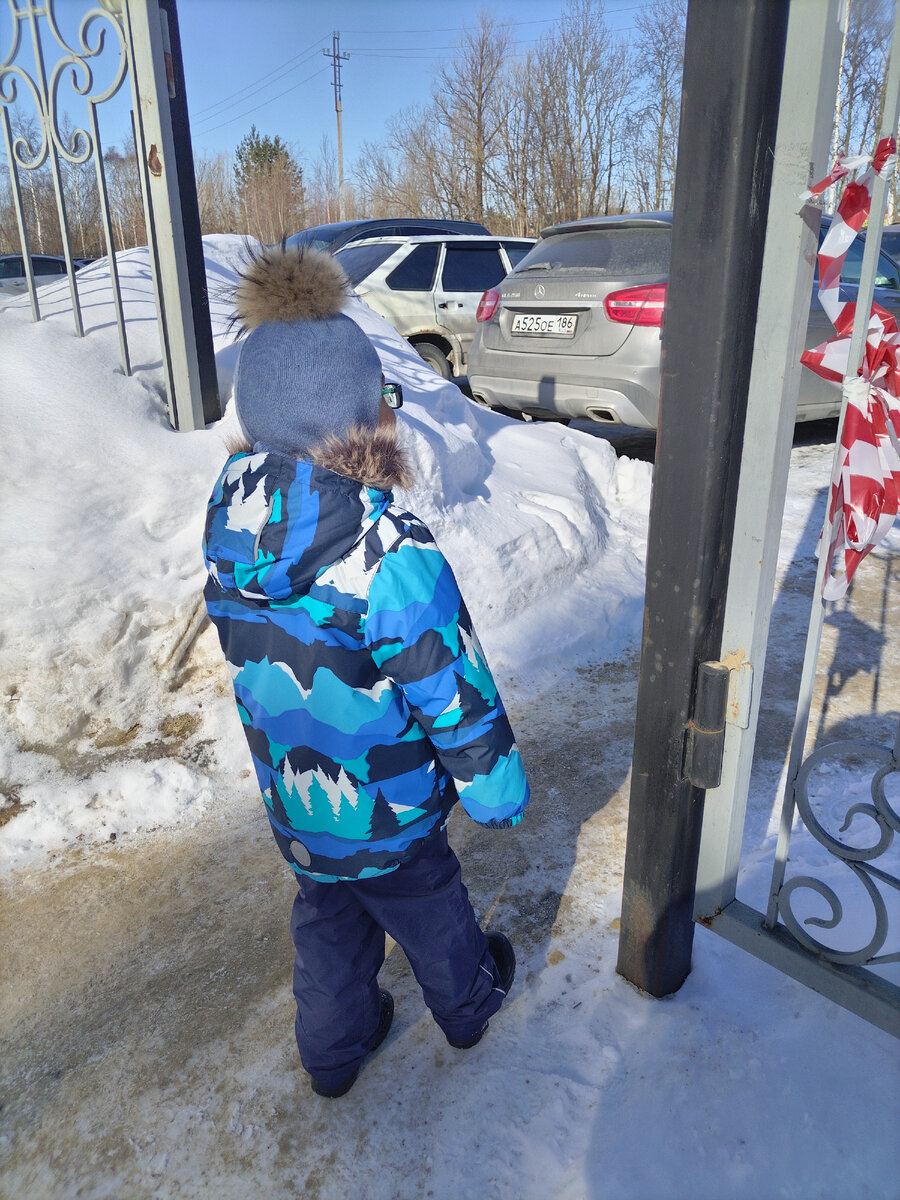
(545, 325)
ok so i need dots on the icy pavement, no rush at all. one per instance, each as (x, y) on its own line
(148, 1015)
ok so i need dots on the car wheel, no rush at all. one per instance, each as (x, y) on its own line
(435, 357)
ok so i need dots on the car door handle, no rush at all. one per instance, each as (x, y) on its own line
(448, 304)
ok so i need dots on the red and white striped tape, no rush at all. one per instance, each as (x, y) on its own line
(865, 490)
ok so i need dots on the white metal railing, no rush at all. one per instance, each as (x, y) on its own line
(140, 30)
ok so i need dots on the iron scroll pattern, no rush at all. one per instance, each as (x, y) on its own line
(885, 822)
(78, 146)
(44, 91)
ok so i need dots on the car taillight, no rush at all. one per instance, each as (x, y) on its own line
(642, 305)
(487, 305)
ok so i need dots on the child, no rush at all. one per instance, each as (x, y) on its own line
(365, 697)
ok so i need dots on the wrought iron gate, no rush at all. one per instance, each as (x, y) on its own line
(778, 935)
(139, 31)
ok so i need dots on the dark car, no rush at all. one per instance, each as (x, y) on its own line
(574, 330)
(890, 240)
(331, 237)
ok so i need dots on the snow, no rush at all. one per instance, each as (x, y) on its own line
(119, 726)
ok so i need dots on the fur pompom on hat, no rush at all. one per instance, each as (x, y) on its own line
(289, 284)
(306, 371)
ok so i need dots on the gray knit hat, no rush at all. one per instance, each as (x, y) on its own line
(305, 370)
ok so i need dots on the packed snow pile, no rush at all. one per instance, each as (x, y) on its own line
(118, 712)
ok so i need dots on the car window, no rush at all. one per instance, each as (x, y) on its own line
(48, 266)
(886, 276)
(11, 268)
(317, 238)
(421, 230)
(516, 251)
(416, 272)
(360, 261)
(472, 268)
(624, 251)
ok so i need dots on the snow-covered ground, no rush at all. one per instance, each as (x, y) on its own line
(119, 727)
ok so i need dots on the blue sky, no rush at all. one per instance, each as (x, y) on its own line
(261, 62)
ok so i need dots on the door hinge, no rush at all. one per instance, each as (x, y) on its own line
(722, 698)
(704, 736)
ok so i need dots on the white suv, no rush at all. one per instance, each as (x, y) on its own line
(429, 287)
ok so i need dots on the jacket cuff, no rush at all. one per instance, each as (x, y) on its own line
(505, 823)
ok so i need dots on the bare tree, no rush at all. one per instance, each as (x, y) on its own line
(390, 183)
(469, 115)
(517, 160)
(36, 186)
(863, 76)
(125, 200)
(586, 96)
(659, 53)
(215, 193)
(517, 143)
(81, 197)
(323, 197)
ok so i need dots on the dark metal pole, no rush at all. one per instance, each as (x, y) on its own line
(190, 217)
(732, 77)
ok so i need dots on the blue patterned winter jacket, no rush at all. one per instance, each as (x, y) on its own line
(364, 694)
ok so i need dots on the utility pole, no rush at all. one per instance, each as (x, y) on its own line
(335, 55)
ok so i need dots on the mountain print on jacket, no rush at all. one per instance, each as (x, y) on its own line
(365, 697)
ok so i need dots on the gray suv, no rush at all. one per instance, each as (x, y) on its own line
(574, 331)
(429, 287)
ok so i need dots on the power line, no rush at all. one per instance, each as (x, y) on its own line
(513, 24)
(449, 29)
(284, 68)
(246, 112)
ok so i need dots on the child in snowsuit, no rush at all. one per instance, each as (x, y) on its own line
(364, 695)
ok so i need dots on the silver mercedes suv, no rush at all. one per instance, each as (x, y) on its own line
(574, 331)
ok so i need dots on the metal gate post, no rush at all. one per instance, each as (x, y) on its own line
(812, 60)
(162, 207)
(190, 216)
(732, 79)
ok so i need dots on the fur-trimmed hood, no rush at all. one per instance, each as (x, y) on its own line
(372, 457)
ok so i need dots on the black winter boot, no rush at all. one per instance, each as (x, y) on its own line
(386, 1016)
(505, 961)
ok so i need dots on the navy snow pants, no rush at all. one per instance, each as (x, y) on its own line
(338, 931)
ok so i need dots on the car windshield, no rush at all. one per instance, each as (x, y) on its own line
(626, 250)
(360, 261)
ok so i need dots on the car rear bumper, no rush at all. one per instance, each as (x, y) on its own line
(613, 402)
